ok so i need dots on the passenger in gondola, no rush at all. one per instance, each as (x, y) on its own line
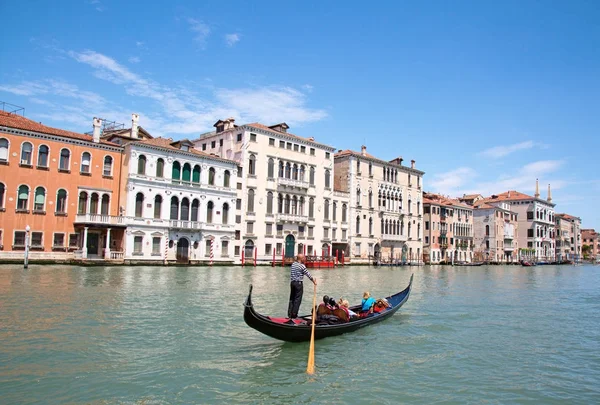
(367, 302)
(345, 305)
(327, 306)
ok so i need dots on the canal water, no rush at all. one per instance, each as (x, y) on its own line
(157, 335)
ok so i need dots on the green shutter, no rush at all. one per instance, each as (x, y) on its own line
(23, 192)
(176, 171)
(186, 172)
(196, 174)
(39, 196)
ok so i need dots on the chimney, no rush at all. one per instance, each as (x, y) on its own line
(135, 119)
(363, 150)
(549, 194)
(312, 139)
(537, 189)
(229, 123)
(508, 193)
(412, 164)
(97, 125)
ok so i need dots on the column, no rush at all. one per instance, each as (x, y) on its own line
(107, 250)
(84, 247)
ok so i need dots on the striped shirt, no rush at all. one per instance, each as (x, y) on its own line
(298, 272)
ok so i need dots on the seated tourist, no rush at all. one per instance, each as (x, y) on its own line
(327, 306)
(345, 305)
(381, 305)
(368, 301)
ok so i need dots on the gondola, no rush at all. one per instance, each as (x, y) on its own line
(283, 329)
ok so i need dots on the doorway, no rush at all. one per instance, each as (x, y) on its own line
(183, 248)
(93, 241)
(290, 245)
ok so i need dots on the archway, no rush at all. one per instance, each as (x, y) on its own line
(183, 249)
(290, 245)
(377, 252)
(249, 249)
(404, 253)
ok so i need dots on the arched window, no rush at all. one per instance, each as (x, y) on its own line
(370, 199)
(301, 206)
(23, 197)
(61, 201)
(280, 168)
(487, 230)
(176, 172)
(185, 209)
(418, 207)
(139, 205)
(301, 173)
(370, 169)
(327, 179)
(287, 204)
(174, 214)
(226, 178)
(280, 203)
(326, 209)
(40, 199)
(83, 200)
(160, 168)
(43, 152)
(269, 202)
(288, 170)
(270, 168)
(209, 212)
(65, 160)
(249, 249)
(195, 208)
(358, 225)
(402, 228)
(370, 218)
(196, 174)
(225, 217)
(334, 209)
(358, 202)
(344, 212)
(186, 174)
(157, 206)
(3, 150)
(86, 163)
(295, 172)
(211, 176)
(26, 153)
(94, 200)
(311, 207)
(294, 205)
(250, 200)
(252, 165)
(107, 168)
(104, 204)
(311, 177)
(141, 169)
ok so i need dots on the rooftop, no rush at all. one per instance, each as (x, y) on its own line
(170, 144)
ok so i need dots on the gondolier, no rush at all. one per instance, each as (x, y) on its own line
(297, 273)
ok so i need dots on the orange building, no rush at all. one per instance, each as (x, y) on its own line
(57, 183)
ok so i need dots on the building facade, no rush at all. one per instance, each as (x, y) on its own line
(496, 228)
(385, 207)
(591, 241)
(285, 199)
(48, 178)
(179, 203)
(568, 237)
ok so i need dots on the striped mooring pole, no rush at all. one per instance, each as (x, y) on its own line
(212, 245)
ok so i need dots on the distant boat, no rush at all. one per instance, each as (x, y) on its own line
(527, 264)
(474, 264)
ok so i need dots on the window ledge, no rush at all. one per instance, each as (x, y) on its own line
(137, 254)
(61, 248)
(85, 173)
(106, 176)
(46, 168)
(36, 248)
(60, 214)
(64, 171)
(26, 165)
(21, 211)
(4, 162)
(155, 254)
(18, 247)
(38, 212)
(2, 209)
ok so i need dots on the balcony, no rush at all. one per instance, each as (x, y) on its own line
(509, 236)
(282, 181)
(99, 219)
(301, 219)
(180, 224)
(394, 238)
(443, 218)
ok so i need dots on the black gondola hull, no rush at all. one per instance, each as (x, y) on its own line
(301, 333)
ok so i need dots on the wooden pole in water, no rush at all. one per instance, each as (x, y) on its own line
(273, 262)
(310, 367)
(255, 251)
(243, 251)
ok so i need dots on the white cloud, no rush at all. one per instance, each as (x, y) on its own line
(134, 59)
(201, 31)
(449, 183)
(500, 151)
(232, 39)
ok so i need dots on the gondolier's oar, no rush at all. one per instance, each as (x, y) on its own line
(310, 368)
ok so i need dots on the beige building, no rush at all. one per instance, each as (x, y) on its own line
(568, 237)
(285, 200)
(495, 231)
(385, 206)
(591, 239)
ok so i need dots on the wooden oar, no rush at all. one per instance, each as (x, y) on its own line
(310, 368)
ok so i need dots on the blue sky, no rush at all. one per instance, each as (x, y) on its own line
(485, 96)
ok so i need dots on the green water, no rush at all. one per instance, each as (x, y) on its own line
(157, 335)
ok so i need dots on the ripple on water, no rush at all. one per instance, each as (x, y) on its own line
(157, 335)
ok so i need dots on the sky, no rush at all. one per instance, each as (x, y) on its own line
(485, 96)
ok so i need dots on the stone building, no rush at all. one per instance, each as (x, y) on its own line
(568, 237)
(495, 228)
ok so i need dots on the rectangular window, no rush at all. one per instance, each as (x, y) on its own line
(279, 229)
(296, 147)
(137, 245)
(237, 235)
(426, 225)
(326, 233)
(530, 233)
(530, 244)
(269, 229)
(73, 240)
(343, 234)
(333, 232)
(156, 246)
(236, 251)
(530, 215)
(271, 142)
(59, 240)
(250, 228)
(312, 151)
(301, 231)
(309, 250)
(224, 248)
(19, 239)
(207, 245)
(303, 149)
(426, 239)
(268, 249)
(278, 248)
(220, 142)
(239, 137)
(239, 186)
(238, 219)
(213, 144)
(238, 204)
(357, 249)
(327, 155)
(289, 146)
(282, 144)
(36, 239)
(252, 137)
(203, 146)
(311, 231)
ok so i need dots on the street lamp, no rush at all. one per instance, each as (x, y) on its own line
(26, 262)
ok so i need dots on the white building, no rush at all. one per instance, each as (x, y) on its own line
(178, 203)
(285, 199)
(385, 207)
(496, 229)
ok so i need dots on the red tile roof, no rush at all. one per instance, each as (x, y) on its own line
(349, 152)
(19, 122)
(567, 216)
(168, 144)
(511, 195)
